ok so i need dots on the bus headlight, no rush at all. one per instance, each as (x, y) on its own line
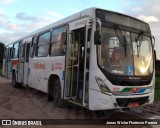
(103, 87)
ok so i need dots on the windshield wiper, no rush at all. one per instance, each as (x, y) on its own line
(139, 39)
(122, 38)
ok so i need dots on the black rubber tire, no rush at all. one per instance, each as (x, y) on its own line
(14, 81)
(57, 100)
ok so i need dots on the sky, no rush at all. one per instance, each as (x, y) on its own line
(19, 17)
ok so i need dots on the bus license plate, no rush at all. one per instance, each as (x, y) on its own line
(133, 105)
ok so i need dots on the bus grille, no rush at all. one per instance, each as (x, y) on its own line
(123, 102)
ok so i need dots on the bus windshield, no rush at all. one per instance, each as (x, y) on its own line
(135, 59)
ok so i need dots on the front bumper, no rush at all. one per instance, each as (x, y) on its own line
(101, 101)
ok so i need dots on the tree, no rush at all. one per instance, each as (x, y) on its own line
(1, 51)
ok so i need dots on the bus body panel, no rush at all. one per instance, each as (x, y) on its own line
(25, 75)
(42, 68)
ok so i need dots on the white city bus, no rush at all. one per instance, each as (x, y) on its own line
(96, 59)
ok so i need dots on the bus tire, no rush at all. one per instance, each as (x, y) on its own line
(57, 100)
(14, 81)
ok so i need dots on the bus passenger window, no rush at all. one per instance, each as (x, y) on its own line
(22, 52)
(27, 52)
(16, 47)
(56, 49)
(43, 45)
(42, 50)
(58, 42)
(33, 47)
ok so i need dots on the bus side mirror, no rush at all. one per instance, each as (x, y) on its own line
(97, 37)
(153, 44)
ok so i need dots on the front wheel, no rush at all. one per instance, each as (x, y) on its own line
(58, 101)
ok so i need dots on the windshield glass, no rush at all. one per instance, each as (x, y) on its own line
(126, 56)
(142, 53)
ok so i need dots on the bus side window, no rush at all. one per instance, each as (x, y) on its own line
(15, 51)
(21, 52)
(33, 47)
(27, 52)
(58, 42)
(12, 52)
(43, 45)
(9, 53)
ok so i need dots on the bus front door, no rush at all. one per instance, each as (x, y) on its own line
(23, 67)
(76, 67)
(26, 64)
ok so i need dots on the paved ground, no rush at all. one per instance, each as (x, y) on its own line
(27, 103)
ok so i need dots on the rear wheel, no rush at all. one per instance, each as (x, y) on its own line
(58, 101)
(14, 81)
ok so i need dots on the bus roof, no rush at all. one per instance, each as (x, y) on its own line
(83, 13)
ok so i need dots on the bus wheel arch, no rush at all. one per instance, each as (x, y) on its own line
(54, 90)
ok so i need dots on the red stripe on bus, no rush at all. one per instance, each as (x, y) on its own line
(15, 62)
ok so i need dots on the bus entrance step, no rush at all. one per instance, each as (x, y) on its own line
(75, 102)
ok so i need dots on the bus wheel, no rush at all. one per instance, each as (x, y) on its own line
(57, 94)
(14, 82)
